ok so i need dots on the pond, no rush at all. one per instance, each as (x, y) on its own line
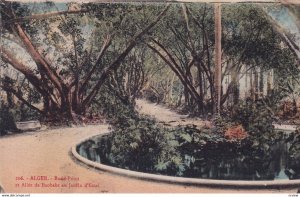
(220, 162)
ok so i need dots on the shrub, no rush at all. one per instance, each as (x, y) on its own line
(255, 116)
(139, 143)
(7, 121)
(294, 153)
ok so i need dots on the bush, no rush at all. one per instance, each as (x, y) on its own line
(112, 108)
(10, 115)
(7, 121)
(187, 151)
(255, 116)
(142, 145)
(139, 143)
(294, 153)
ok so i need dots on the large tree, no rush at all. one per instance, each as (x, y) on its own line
(68, 58)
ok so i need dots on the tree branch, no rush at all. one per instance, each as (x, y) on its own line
(34, 80)
(20, 97)
(115, 64)
(106, 44)
(10, 59)
(42, 64)
(176, 69)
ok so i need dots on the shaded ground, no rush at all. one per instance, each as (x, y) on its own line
(47, 153)
(167, 116)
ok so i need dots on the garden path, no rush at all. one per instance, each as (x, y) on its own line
(47, 153)
(167, 116)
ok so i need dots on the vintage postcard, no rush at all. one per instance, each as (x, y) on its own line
(199, 96)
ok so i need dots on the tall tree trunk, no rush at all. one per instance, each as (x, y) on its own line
(295, 107)
(171, 86)
(10, 99)
(261, 83)
(252, 89)
(235, 86)
(246, 83)
(218, 66)
(201, 93)
(269, 82)
(256, 89)
(186, 97)
(205, 88)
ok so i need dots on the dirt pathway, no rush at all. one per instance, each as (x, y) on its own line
(171, 118)
(47, 154)
(167, 116)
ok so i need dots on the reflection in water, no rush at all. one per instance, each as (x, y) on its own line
(218, 163)
(89, 150)
(281, 164)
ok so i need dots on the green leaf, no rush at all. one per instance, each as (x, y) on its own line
(161, 166)
(174, 143)
(176, 160)
(266, 146)
(186, 137)
(134, 145)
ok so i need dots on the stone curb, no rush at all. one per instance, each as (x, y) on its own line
(1, 189)
(226, 184)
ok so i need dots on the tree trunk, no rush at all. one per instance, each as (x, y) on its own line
(252, 89)
(269, 82)
(200, 81)
(295, 107)
(235, 86)
(246, 83)
(218, 66)
(10, 99)
(261, 83)
(256, 88)
(171, 86)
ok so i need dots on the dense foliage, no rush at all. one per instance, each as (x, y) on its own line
(294, 153)
(140, 143)
(7, 121)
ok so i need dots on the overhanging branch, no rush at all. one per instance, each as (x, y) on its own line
(20, 97)
(43, 16)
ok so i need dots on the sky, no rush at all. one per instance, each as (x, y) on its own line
(283, 17)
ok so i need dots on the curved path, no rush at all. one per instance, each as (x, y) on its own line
(167, 116)
(47, 153)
